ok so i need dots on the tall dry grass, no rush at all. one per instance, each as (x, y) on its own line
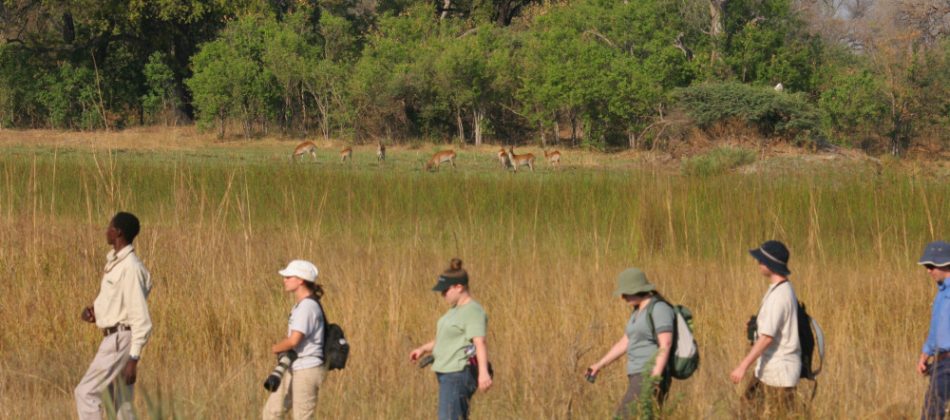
(542, 249)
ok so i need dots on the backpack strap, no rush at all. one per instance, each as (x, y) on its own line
(323, 340)
(653, 301)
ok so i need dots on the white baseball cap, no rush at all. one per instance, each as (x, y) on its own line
(305, 270)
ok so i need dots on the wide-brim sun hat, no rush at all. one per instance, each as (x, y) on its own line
(304, 270)
(633, 281)
(936, 254)
(774, 255)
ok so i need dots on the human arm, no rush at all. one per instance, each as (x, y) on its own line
(288, 343)
(618, 349)
(133, 283)
(421, 350)
(922, 363)
(481, 354)
(664, 341)
(755, 352)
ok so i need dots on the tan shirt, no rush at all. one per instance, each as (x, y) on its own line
(781, 362)
(121, 300)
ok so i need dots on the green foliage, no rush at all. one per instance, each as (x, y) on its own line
(160, 97)
(766, 42)
(71, 98)
(717, 161)
(789, 115)
(854, 103)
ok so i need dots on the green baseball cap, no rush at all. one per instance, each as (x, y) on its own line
(632, 281)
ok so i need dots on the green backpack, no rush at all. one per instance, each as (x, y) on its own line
(684, 359)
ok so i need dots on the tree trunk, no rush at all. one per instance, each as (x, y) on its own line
(544, 140)
(557, 130)
(458, 120)
(477, 117)
(573, 129)
(716, 17)
(632, 138)
(446, 5)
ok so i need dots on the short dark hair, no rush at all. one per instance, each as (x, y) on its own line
(128, 224)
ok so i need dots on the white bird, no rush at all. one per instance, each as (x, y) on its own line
(779, 87)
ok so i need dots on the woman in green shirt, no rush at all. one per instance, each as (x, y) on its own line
(647, 349)
(457, 332)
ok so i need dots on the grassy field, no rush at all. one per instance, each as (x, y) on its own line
(542, 248)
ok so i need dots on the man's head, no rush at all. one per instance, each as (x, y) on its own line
(936, 260)
(772, 257)
(124, 226)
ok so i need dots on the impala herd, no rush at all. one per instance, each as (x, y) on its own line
(506, 158)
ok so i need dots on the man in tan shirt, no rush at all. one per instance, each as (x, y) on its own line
(777, 349)
(121, 312)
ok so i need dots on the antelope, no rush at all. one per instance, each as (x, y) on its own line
(554, 158)
(439, 158)
(502, 157)
(381, 152)
(304, 148)
(346, 153)
(520, 160)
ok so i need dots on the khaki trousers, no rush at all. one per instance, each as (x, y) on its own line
(298, 389)
(103, 374)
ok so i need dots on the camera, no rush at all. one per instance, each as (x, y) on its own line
(283, 362)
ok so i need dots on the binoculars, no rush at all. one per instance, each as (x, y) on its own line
(751, 329)
(283, 363)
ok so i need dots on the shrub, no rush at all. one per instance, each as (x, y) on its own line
(717, 161)
(773, 113)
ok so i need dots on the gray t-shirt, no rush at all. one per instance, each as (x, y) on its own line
(307, 318)
(642, 346)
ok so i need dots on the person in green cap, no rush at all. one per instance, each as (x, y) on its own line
(646, 341)
(459, 333)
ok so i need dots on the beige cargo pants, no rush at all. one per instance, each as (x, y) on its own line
(298, 389)
(102, 375)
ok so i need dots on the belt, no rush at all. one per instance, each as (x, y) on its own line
(114, 329)
(942, 356)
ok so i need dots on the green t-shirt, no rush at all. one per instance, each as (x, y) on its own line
(454, 333)
(641, 346)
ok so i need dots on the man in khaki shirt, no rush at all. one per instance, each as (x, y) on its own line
(121, 312)
(776, 349)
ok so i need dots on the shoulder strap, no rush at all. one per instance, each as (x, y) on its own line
(656, 299)
(326, 323)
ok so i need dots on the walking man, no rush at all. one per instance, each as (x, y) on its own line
(776, 346)
(935, 356)
(121, 312)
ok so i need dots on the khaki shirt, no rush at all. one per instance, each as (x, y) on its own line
(121, 300)
(781, 363)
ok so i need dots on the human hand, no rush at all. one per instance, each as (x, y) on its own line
(88, 314)
(415, 355)
(737, 374)
(484, 381)
(922, 367)
(128, 373)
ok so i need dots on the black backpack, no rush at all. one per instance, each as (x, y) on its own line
(335, 347)
(811, 338)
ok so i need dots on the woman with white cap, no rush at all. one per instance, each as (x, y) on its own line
(646, 342)
(301, 384)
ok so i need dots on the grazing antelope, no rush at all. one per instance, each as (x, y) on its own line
(554, 158)
(502, 157)
(439, 158)
(304, 148)
(520, 160)
(346, 153)
(381, 152)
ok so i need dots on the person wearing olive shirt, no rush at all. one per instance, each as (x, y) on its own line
(462, 327)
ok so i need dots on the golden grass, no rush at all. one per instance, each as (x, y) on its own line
(542, 249)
